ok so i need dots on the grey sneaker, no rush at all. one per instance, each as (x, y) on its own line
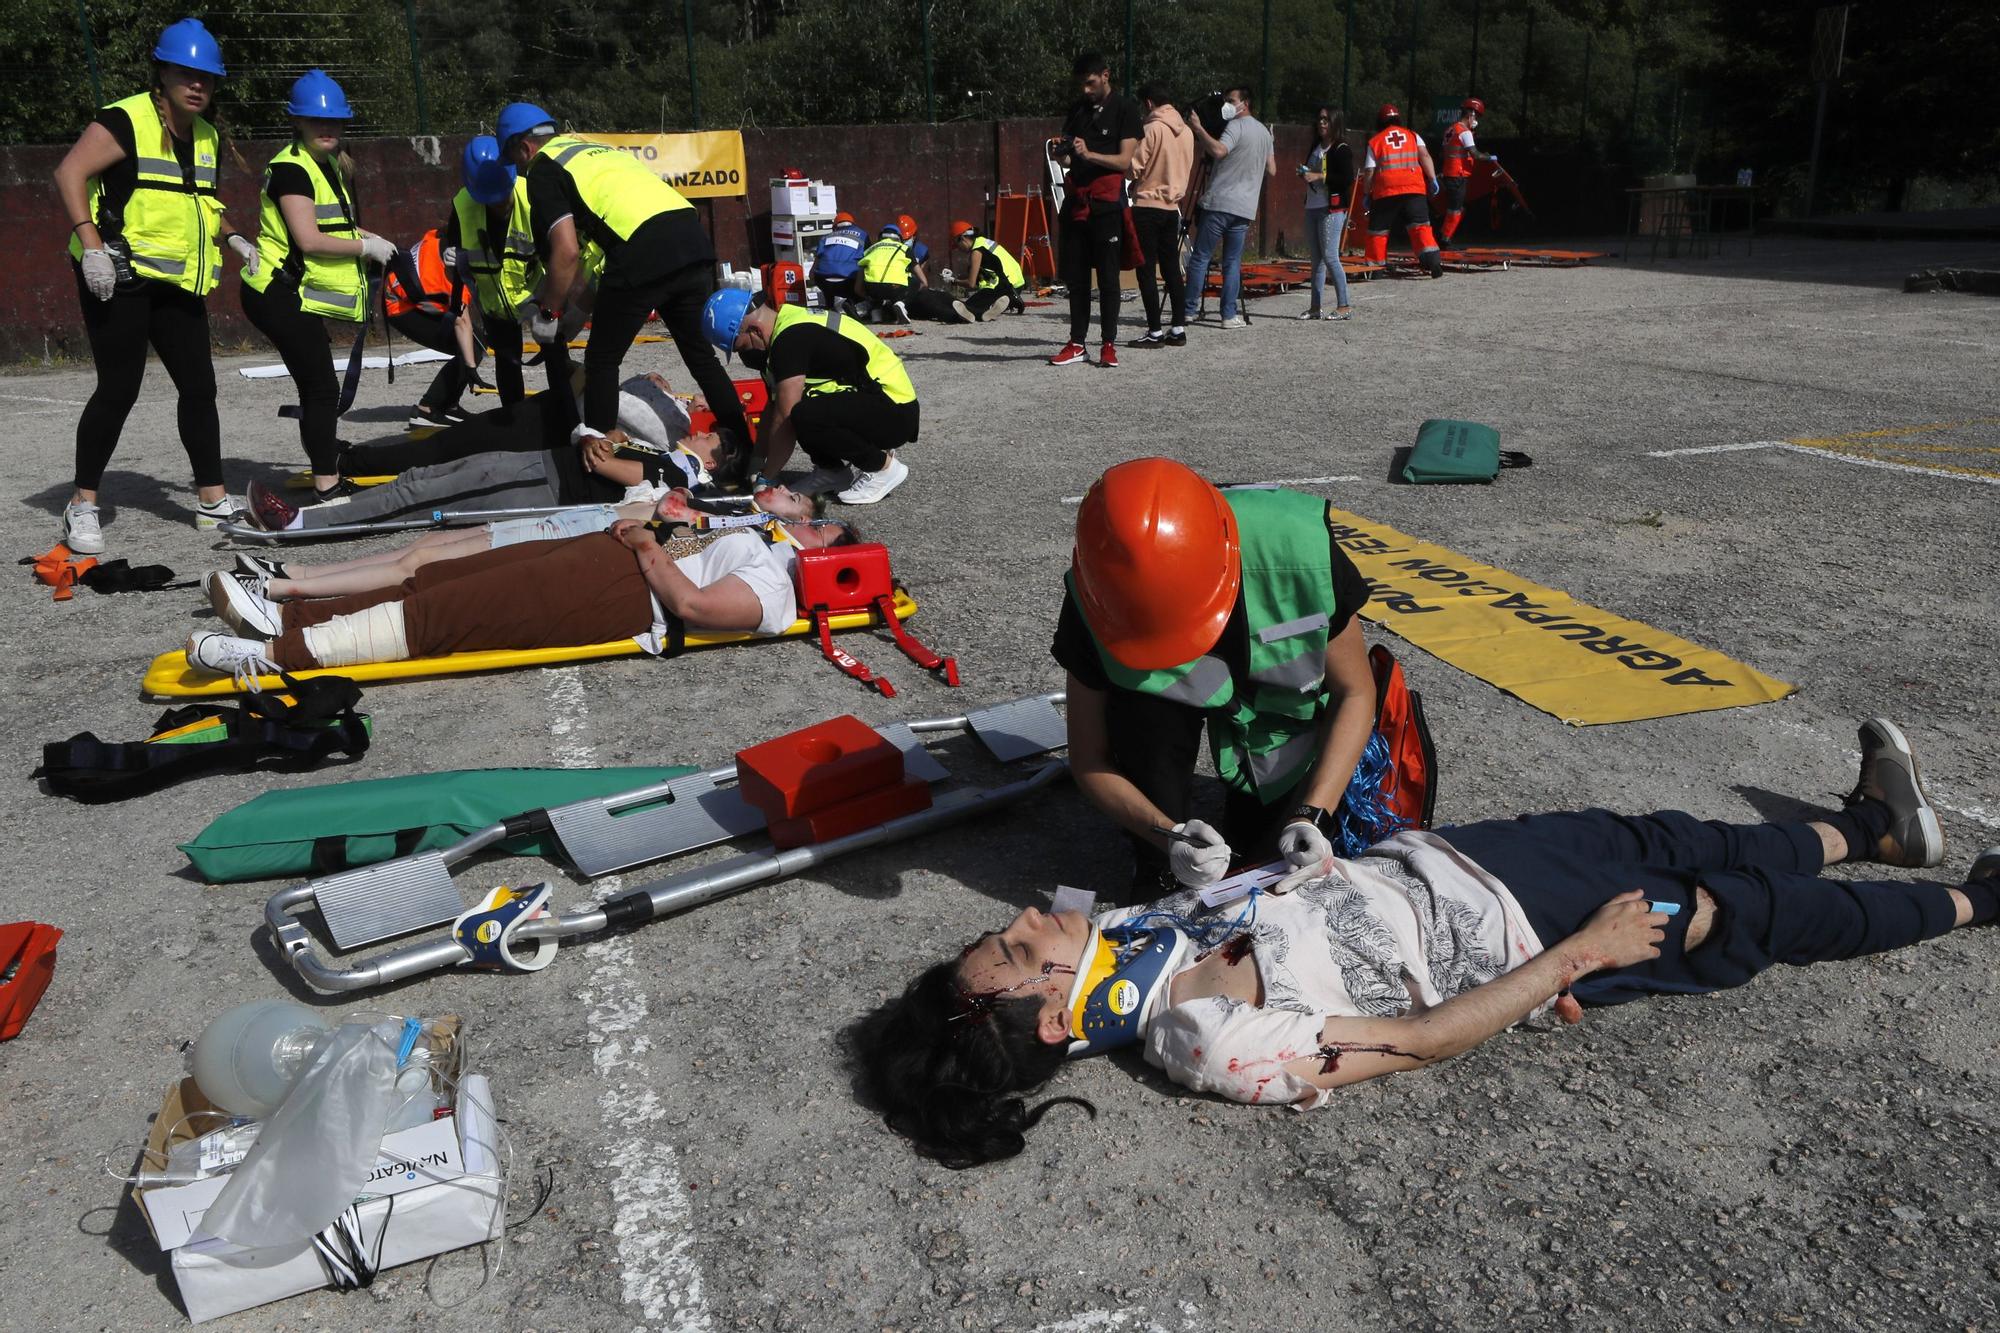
(823, 479)
(81, 531)
(208, 517)
(239, 599)
(1889, 774)
(1236, 322)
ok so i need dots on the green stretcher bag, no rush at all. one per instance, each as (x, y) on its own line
(320, 830)
(1450, 452)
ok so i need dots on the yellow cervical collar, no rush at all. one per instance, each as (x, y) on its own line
(1103, 962)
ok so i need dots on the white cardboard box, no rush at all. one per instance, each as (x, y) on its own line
(803, 199)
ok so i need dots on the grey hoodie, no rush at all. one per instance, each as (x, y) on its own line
(1163, 161)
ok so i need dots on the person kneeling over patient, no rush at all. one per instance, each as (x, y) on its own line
(622, 584)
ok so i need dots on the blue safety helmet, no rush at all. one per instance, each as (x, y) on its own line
(519, 118)
(890, 230)
(487, 179)
(722, 316)
(317, 96)
(191, 46)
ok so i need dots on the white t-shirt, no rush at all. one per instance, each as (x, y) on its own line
(766, 570)
(1409, 924)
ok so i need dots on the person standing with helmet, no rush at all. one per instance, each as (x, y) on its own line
(313, 266)
(837, 259)
(1187, 606)
(146, 239)
(490, 232)
(657, 257)
(893, 281)
(1459, 154)
(995, 275)
(1396, 177)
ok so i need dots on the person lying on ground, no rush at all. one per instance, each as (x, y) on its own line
(599, 588)
(598, 469)
(247, 596)
(648, 409)
(1422, 948)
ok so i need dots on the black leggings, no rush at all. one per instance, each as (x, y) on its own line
(175, 324)
(1160, 236)
(859, 427)
(433, 329)
(615, 321)
(986, 298)
(303, 345)
(1091, 246)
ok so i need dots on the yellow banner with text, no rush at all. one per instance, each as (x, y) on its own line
(707, 164)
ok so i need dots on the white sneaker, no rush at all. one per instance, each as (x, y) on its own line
(239, 599)
(823, 479)
(81, 531)
(208, 517)
(212, 650)
(1236, 322)
(870, 487)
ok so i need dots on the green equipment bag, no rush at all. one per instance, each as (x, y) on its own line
(320, 830)
(1448, 452)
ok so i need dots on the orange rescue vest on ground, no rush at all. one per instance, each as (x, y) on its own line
(1457, 159)
(436, 296)
(1398, 168)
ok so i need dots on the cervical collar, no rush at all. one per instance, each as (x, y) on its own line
(1119, 990)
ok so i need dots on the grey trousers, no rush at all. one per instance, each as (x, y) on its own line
(482, 481)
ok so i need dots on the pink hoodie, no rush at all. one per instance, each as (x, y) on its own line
(1163, 161)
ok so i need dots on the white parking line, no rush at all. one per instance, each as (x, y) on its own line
(655, 1228)
(1716, 449)
(35, 398)
(1982, 478)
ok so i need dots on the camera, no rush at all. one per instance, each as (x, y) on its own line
(1058, 148)
(1208, 110)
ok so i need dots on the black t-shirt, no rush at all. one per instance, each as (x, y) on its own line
(1102, 127)
(663, 244)
(120, 178)
(1076, 651)
(578, 485)
(811, 349)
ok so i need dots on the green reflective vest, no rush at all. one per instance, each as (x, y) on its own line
(503, 266)
(618, 192)
(998, 264)
(332, 285)
(887, 261)
(170, 225)
(885, 368)
(1265, 735)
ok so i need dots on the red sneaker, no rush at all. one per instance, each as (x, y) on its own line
(1072, 354)
(269, 510)
(1107, 356)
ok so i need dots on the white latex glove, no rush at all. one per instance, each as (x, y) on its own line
(543, 326)
(376, 250)
(1303, 875)
(1202, 862)
(448, 255)
(100, 275)
(246, 252)
(1303, 845)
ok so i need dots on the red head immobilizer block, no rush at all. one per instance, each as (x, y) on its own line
(27, 962)
(845, 578)
(852, 815)
(812, 769)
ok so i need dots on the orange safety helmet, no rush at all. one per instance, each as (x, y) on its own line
(843, 219)
(1474, 105)
(961, 228)
(907, 225)
(1157, 563)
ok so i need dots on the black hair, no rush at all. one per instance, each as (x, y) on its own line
(849, 534)
(1336, 123)
(1088, 63)
(1157, 94)
(1246, 92)
(731, 467)
(950, 1076)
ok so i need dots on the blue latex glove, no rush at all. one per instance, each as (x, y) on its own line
(1434, 185)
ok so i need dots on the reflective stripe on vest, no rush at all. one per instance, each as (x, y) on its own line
(884, 367)
(1265, 736)
(618, 194)
(1004, 263)
(170, 224)
(887, 261)
(1457, 158)
(1399, 165)
(330, 285)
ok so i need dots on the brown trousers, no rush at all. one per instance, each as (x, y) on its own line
(533, 595)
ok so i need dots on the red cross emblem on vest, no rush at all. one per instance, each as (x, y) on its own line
(1395, 139)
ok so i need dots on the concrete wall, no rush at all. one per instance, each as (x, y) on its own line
(404, 186)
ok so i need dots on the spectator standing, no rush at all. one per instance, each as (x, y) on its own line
(1160, 171)
(1329, 178)
(1242, 159)
(1098, 139)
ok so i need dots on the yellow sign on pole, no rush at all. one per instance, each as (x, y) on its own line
(1539, 644)
(703, 165)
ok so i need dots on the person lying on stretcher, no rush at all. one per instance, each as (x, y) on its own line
(626, 583)
(1419, 949)
(247, 597)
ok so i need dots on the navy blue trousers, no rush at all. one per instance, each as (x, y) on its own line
(1771, 905)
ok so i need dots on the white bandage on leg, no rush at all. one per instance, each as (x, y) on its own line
(374, 635)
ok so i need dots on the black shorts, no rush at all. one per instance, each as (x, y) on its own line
(1454, 194)
(1404, 210)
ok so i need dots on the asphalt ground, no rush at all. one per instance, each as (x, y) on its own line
(1817, 1150)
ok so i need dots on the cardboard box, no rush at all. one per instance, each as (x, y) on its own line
(803, 199)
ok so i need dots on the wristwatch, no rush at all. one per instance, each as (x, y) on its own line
(1318, 816)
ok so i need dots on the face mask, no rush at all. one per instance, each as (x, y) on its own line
(1229, 111)
(753, 357)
